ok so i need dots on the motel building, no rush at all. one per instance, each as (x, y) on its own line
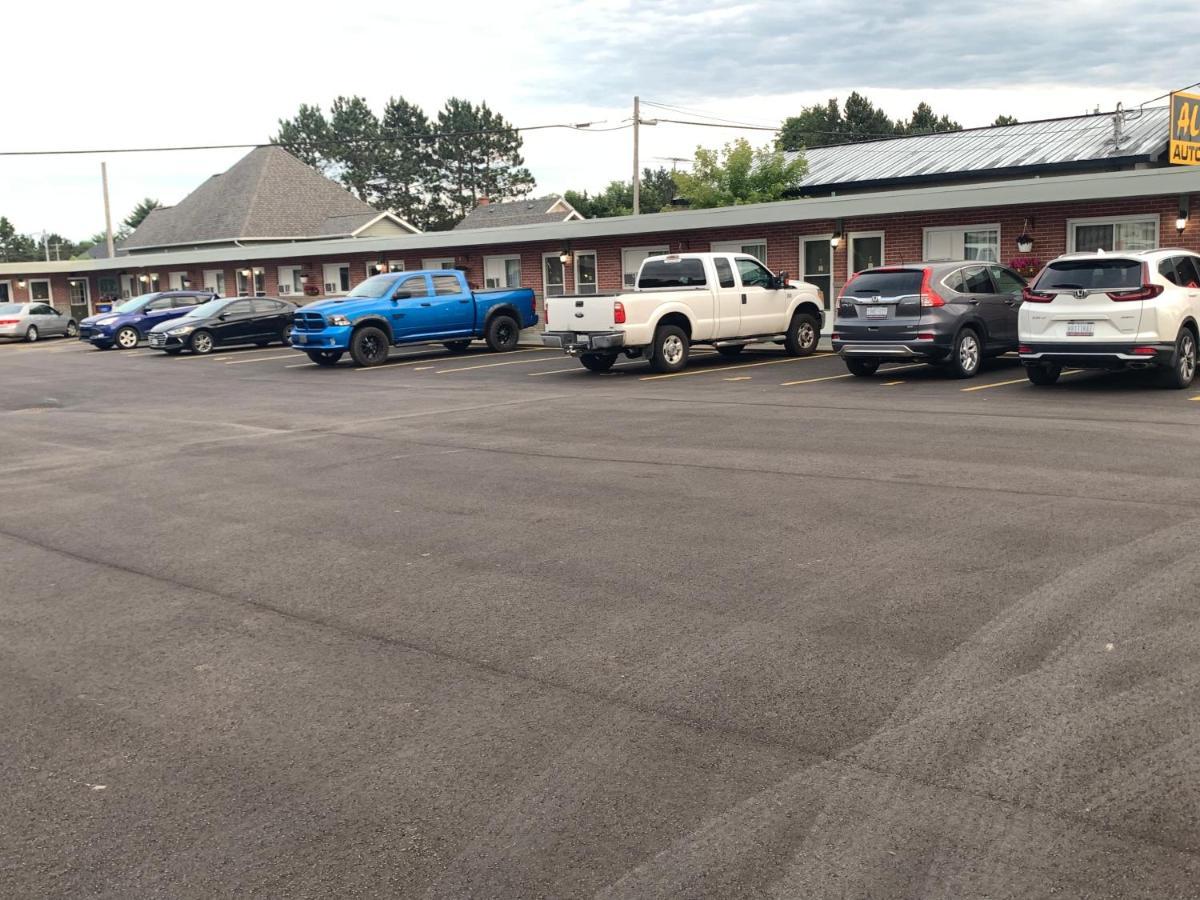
(1019, 194)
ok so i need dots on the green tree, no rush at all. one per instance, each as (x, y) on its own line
(406, 165)
(739, 174)
(477, 153)
(143, 209)
(1006, 120)
(816, 126)
(658, 190)
(355, 146)
(925, 121)
(17, 247)
(864, 121)
(306, 137)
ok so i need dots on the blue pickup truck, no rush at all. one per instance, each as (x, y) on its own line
(410, 308)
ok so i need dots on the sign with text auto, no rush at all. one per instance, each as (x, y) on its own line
(1185, 129)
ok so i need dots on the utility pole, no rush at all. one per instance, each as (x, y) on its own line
(107, 212)
(637, 171)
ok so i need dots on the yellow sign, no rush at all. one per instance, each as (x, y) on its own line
(1185, 129)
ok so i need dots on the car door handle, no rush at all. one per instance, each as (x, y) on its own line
(743, 298)
(426, 304)
(973, 302)
(464, 301)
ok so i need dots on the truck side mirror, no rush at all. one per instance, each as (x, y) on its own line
(402, 295)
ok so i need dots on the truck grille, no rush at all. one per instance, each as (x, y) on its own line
(309, 322)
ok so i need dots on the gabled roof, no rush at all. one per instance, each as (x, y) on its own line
(1078, 143)
(267, 194)
(519, 212)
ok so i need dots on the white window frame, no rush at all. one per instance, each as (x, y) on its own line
(856, 235)
(555, 254)
(9, 292)
(925, 232)
(87, 291)
(651, 249)
(735, 247)
(575, 269)
(439, 262)
(369, 267)
(171, 276)
(49, 298)
(218, 284)
(290, 280)
(1113, 220)
(395, 265)
(325, 282)
(252, 282)
(503, 257)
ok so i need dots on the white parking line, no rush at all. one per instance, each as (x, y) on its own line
(242, 362)
(769, 362)
(434, 359)
(551, 355)
(850, 375)
(625, 365)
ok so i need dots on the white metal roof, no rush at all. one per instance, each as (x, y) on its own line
(1058, 189)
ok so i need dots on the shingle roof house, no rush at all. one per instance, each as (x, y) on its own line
(268, 196)
(518, 212)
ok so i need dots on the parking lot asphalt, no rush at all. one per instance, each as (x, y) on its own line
(493, 626)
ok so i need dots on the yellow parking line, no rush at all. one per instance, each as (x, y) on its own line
(850, 375)
(434, 359)
(996, 384)
(891, 383)
(625, 365)
(240, 362)
(512, 362)
(769, 362)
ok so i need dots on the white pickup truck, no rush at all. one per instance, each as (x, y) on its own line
(727, 300)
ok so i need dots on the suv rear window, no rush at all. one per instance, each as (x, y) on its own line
(893, 283)
(1091, 274)
(664, 273)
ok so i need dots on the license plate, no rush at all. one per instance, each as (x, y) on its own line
(877, 312)
(582, 338)
(1081, 329)
(301, 339)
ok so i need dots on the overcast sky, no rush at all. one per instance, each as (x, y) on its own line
(135, 74)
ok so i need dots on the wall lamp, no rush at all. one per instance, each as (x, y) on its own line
(565, 257)
(1181, 222)
(144, 279)
(21, 283)
(839, 231)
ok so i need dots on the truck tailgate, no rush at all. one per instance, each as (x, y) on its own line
(579, 314)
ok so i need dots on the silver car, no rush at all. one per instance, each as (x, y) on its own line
(32, 321)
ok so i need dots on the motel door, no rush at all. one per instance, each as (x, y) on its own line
(80, 307)
(816, 262)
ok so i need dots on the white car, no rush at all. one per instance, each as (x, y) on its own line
(1116, 310)
(30, 321)
(727, 300)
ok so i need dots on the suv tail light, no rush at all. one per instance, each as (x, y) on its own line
(1029, 295)
(1144, 351)
(929, 297)
(618, 312)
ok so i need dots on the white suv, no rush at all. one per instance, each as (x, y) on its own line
(1113, 311)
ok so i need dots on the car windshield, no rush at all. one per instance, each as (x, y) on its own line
(204, 310)
(9, 308)
(895, 283)
(1091, 274)
(133, 304)
(374, 287)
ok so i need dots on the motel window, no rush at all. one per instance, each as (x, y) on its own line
(5, 292)
(553, 275)
(108, 287)
(395, 265)
(866, 251)
(1127, 234)
(755, 248)
(290, 280)
(974, 242)
(586, 272)
(337, 278)
(260, 282)
(441, 262)
(177, 281)
(214, 280)
(631, 261)
(39, 289)
(129, 286)
(501, 271)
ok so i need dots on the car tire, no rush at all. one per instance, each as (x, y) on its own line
(201, 342)
(72, 329)
(1182, 370)
(966, 354)
(127, 338)
(732, 350)
(457, 346)
(503, 334)
(31, 334)
(863, 367)
(598, 362)
(369, 346)
(285, 337)
(324, 357)
(1043, 374)
(802, 335)
(669, 352)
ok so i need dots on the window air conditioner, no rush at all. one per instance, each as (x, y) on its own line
(330, 287)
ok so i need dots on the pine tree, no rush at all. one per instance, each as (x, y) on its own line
(406, 174)
(143, 209)
(354, 146)
(306, 137)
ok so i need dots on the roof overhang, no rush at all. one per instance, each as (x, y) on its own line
(1060, 189)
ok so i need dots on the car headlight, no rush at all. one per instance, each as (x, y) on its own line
(338, 320)
(184, 329)
(106, 321)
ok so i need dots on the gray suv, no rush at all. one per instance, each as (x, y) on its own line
(949, 313)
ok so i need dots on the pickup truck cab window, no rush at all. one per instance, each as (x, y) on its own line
(446, 285)
(413, 285)
(754, 273)
(672, 272)
(724, 272)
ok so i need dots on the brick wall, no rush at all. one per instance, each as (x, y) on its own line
(903, 242)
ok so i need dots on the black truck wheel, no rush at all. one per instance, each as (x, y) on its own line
(369, 346)
(503, 332)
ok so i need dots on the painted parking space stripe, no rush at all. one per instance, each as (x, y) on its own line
(996, 384)
(434, 360)
(552, 356)
(849, 375)
(769, 362)
(258, 359)
(632, 364)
